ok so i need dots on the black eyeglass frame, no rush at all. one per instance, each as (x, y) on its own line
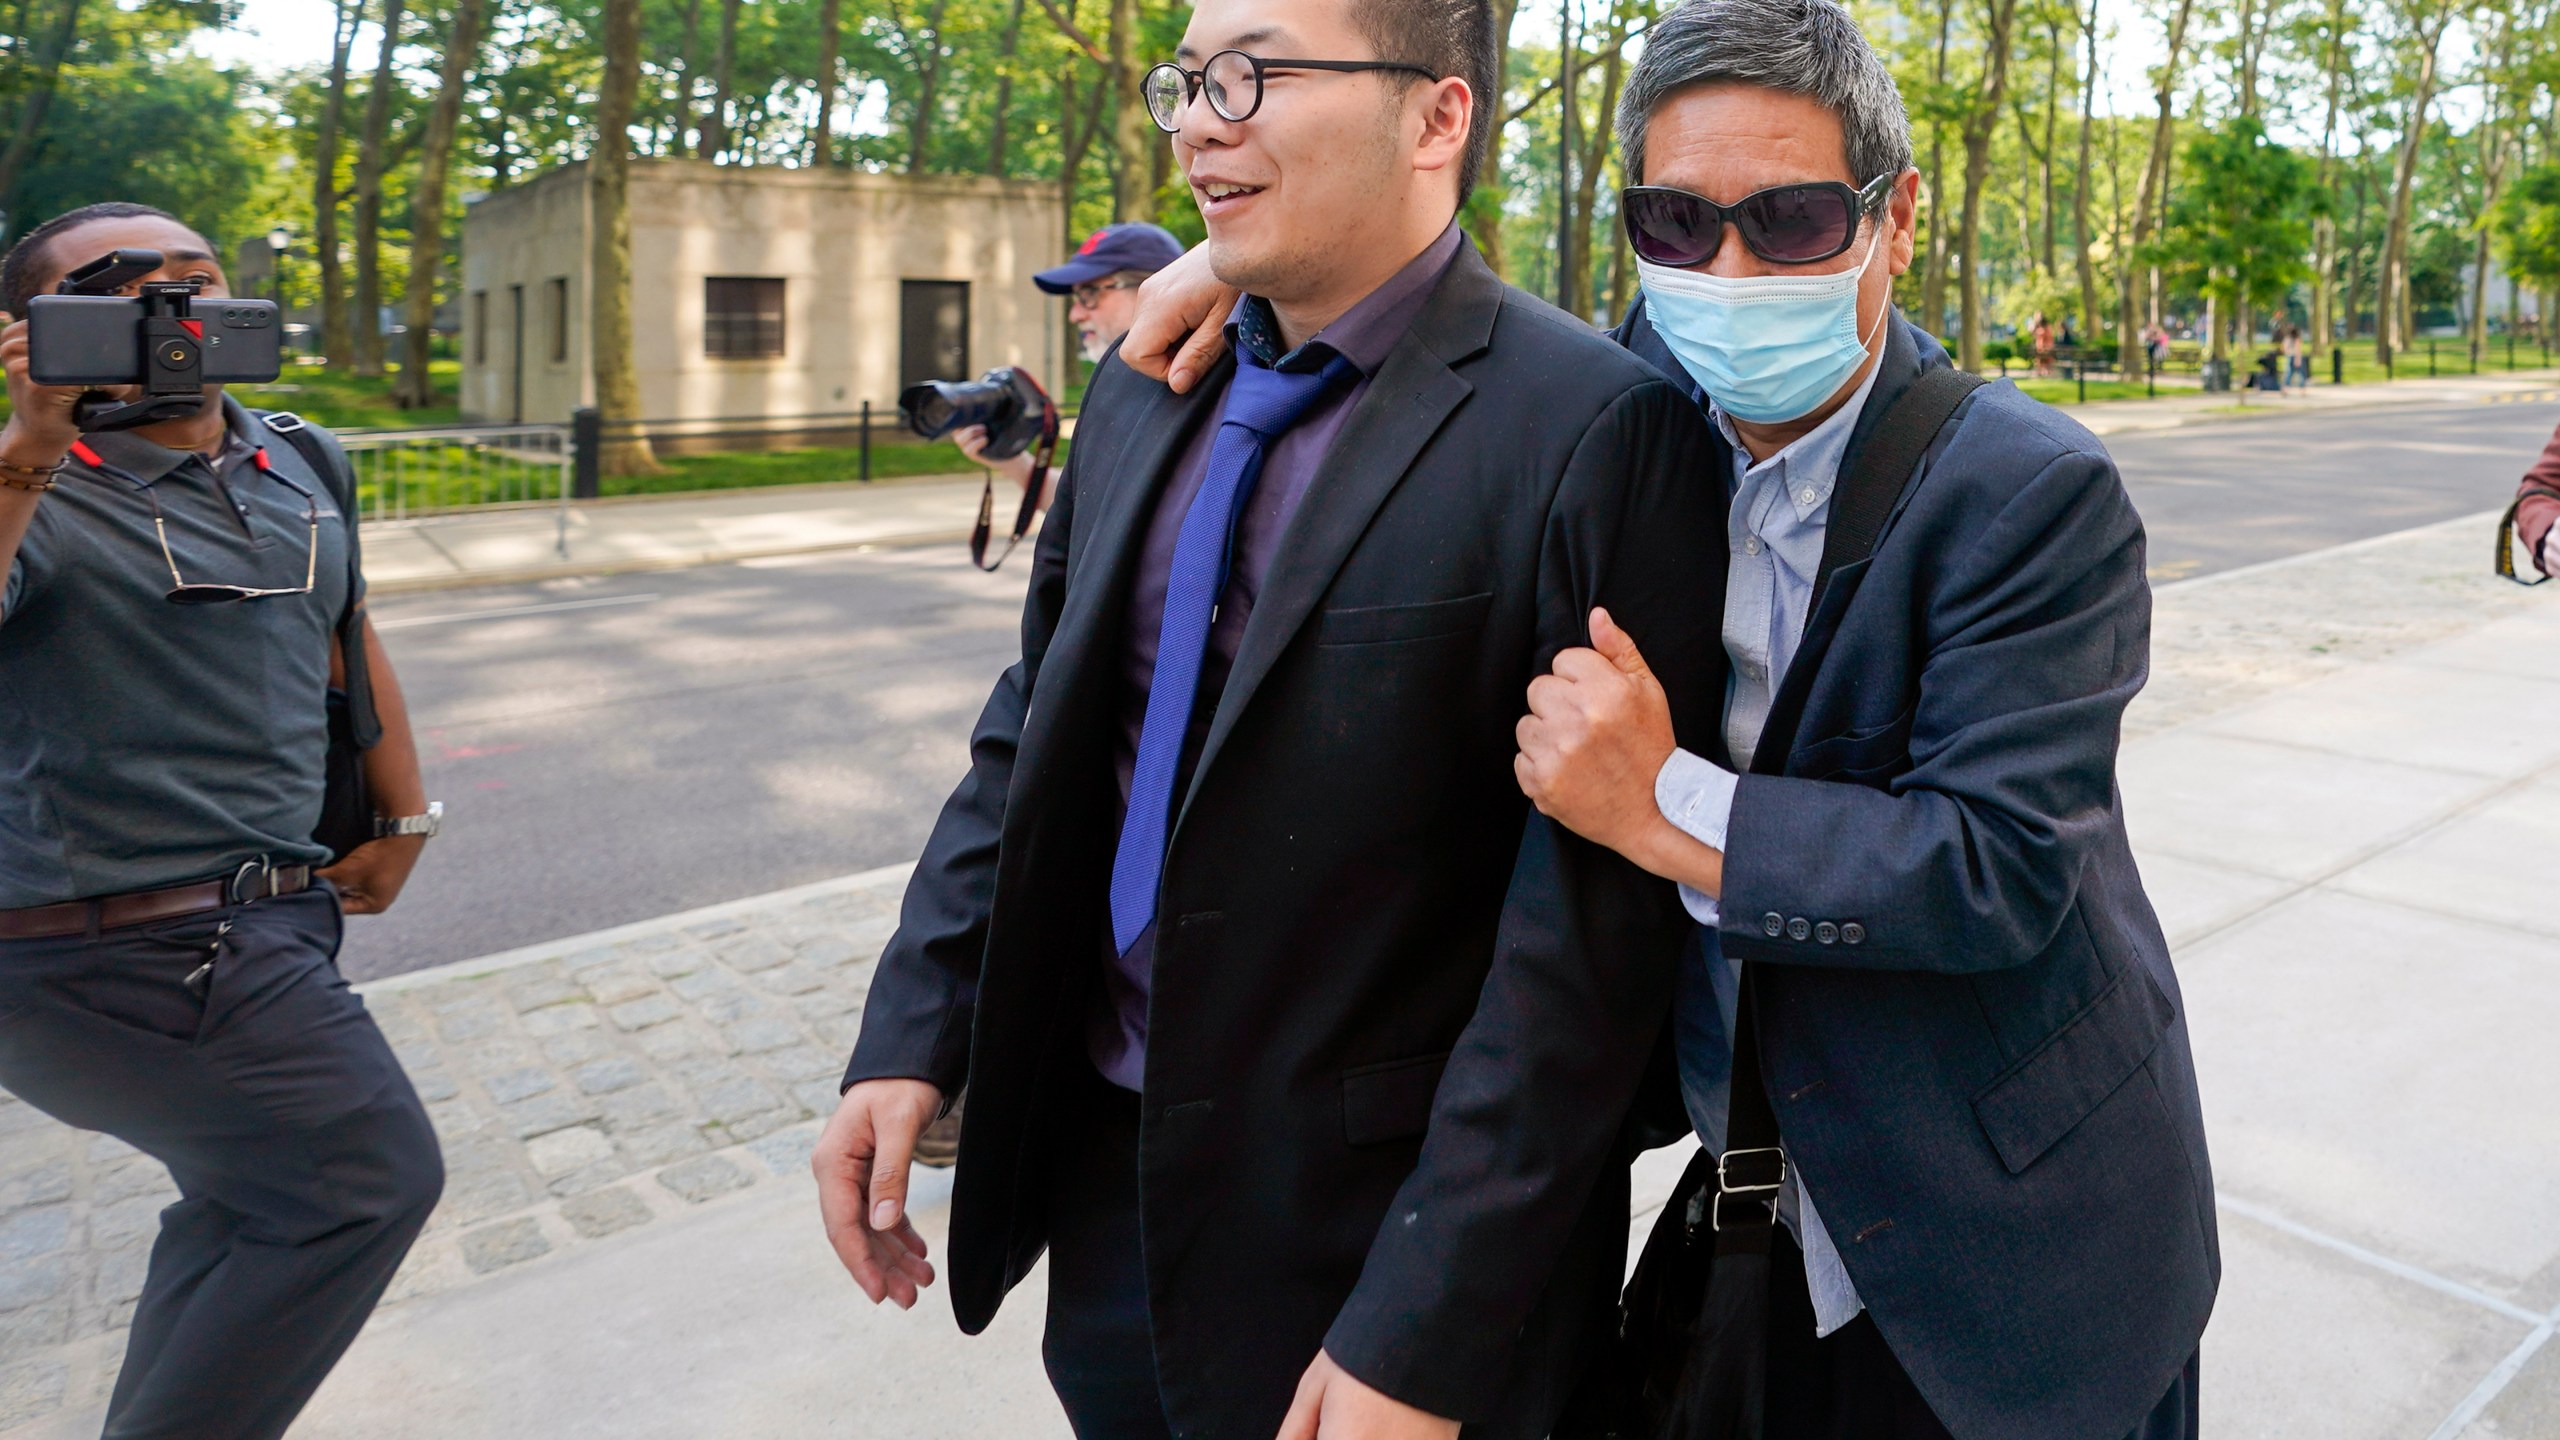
(1194, 81)
(1099, 289)
(1868, 197)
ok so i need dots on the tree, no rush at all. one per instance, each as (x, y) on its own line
(609, 258)
(2155, 183)
(2526, 224)
(2241, 223)
(416, 388)
(2425, 21)
(1982, 119)
(373, 158)
(32, 107)
(337, 336)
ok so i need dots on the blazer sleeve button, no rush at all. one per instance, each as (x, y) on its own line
(1854, 933)
(1827, 933)
(1799, 928)
(1773, 924)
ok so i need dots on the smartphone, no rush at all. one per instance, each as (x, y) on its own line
(97, 340)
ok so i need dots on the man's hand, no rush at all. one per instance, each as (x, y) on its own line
(1596, 734)
(972, 440)
(861, 1165)
(2551, 551)
(1334, 1406)
(40, 429)
(1182, 305)
(371, 875)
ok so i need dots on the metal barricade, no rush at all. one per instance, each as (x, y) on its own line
(403, 476)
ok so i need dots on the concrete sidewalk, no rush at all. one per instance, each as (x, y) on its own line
(490, 547)
(2344, 783)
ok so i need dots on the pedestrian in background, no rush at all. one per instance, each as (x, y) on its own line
(2297, 361)
(1101, 282)
(168, 938)
(2042, 339)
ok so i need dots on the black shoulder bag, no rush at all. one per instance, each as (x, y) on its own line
(2507, 534)
(346, 807)
(1690, 1356)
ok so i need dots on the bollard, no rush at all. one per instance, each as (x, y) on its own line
(2337, 364)
(2511, 349)
(2151, 378)
(586, 442)
(2431, 359)
(2081, 374)
(866, 442)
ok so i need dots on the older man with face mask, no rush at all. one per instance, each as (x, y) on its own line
(1289, 1032)
(1963, 1190)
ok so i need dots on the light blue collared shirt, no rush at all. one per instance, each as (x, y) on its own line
(1781, 508)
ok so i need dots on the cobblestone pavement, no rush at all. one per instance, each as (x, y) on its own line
(581, 1088)
(591, 1086)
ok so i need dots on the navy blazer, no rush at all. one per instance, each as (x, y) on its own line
(1990, 1095)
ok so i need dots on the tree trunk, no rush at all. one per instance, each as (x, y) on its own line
(2324, 226)
(2394, 335)
(22, 144)
(684, 78)
(417, 388)
(1978, 130)
(2044, 157)
(714, 135)
(1004, 87)
(370, 162)
(2080, 189)
(1933, 270)
(1568, 50)
(928, 55)
(1593, 160)
(830, 46)
(2155, 184)
(337, 336)
(1485, 206)
(1130, 128)
(609, 266)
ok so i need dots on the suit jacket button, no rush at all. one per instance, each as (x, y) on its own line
(1798, 928)
(1826, 932)
(1854, 933)
(1773, 924)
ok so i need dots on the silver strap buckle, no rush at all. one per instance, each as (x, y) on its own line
(261, 873)
(1745, 1181)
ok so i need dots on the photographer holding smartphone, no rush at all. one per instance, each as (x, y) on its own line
(170, 635)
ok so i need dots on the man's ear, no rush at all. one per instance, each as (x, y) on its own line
(1448, 111)
(1904, 206)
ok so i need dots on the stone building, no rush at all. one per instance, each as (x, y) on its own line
(760, 292)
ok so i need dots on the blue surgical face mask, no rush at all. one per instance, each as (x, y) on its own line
(1765, 348)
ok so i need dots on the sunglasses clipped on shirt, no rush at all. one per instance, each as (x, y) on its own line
(1784, 224)
(183, 591)
(1233, 82)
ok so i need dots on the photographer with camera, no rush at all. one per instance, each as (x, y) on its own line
(182, 600)
(1101, 285)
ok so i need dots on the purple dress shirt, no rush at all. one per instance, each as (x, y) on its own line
(1363, 335)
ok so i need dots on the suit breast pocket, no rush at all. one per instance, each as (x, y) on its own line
(1384, 624)
(1390, 1101)
(1870, 755)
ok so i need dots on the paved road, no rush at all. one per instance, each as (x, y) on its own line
(616, 749)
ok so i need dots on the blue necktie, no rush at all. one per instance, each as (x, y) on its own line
(1261, 405)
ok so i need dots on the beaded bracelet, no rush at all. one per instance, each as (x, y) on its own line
(36, 478)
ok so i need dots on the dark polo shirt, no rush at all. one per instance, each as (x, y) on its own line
(1291, 471)
(142, 743)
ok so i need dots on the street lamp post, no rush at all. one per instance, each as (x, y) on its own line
(278, 240)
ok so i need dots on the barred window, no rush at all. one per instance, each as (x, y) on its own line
(741, 317)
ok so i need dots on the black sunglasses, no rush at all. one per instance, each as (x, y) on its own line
(1233, 81)
(1784, 224)
(188, 592)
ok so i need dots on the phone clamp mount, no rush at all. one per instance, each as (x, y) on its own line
(172, 344)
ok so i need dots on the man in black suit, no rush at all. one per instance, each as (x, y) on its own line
(1998, 1214)
(1290, 1034)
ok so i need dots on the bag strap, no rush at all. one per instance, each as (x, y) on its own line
(2507, 532)
(330, 463)
(1751, 1173)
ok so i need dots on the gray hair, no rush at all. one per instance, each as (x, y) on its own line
(1804, 47)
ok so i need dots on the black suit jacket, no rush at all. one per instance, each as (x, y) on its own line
(1991, 1095)
(1396, 1018)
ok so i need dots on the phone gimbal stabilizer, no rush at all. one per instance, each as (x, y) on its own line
(155, 340)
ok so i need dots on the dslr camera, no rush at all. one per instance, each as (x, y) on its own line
(165, 341)
(1013, 407)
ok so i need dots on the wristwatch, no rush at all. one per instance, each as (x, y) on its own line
(426, 825)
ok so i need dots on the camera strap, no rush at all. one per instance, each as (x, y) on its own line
(1022, 518)
(2507, 534)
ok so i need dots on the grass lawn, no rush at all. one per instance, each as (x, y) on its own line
(342, 400)
(733, 470)
(2067, 392)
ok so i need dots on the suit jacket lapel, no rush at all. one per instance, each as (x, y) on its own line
(1128, 484)
(1404, 406)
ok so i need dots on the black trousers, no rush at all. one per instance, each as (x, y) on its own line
(1100, 1346)
(1848, 1386)
(305, 1165)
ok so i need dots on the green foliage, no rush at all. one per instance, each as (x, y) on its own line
(2525, 225)
(2240, 227)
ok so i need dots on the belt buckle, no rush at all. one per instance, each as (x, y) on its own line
(1753, 1189)
(264, 872)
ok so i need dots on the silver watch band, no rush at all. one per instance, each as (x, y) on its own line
(427, 824)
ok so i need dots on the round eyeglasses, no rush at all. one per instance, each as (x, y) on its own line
(1785, 224)
(1233, 82)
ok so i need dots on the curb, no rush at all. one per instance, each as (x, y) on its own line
(572, 569)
